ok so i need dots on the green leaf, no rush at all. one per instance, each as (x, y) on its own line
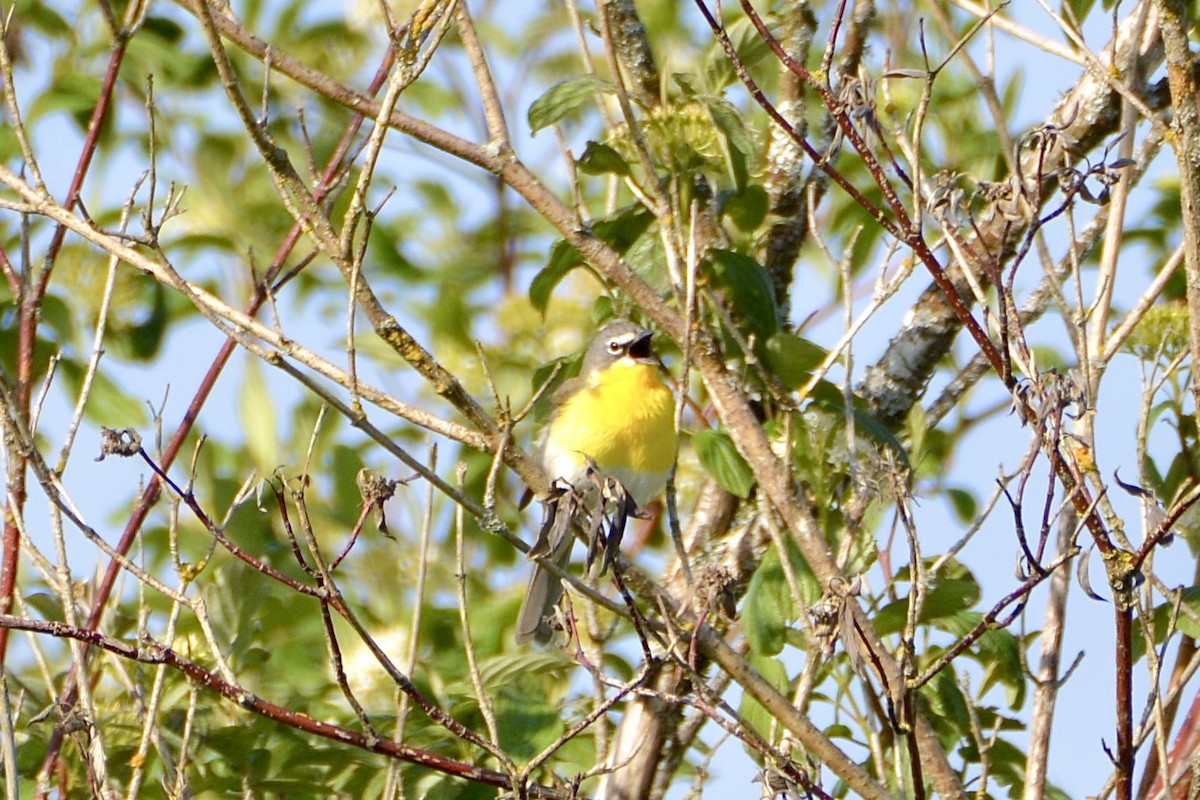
(1165, 615)
(749, 289)
(74, 93)
(1076, 11)
(568, 367)
(563, 259)
(947, 598)
(748, 208)
(600, 159)
(146, 336)
(946, 701)
(387, 254)
(749, 46)
(1000, 654)
(47, 605)
(58, 316)
(163, 28)
(865, 425)
(158, 48)
(44, 19)
(997, 651)
(620, 231)
(9, 146)
(828, 395)
(646, 257)
(257, 409)
(792, 358)
(767, 610)
(775, 673)
(1179, 470)
(722, 461)
(916, 429)
(106, 404)
(564, 98)
(624, 228)
(738, 144)
(687, 84)
(965, 506)
(840, 731)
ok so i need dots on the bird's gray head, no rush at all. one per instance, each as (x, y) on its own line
(617, 340)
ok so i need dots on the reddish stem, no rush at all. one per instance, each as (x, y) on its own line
(154, 653)
(30, 303)
(329, 180)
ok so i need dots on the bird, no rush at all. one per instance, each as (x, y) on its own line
(616, 418)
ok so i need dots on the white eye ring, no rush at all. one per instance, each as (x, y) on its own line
(614, 347)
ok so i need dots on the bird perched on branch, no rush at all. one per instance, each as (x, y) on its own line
(609, 439)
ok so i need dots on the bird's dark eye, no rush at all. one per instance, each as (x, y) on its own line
(615, 347)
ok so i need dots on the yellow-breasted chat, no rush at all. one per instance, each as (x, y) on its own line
(618, 418)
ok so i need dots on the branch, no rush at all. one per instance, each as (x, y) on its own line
(151, 652)
(1185, 124)
(330, 179)
(633, 49)
(1085, 116)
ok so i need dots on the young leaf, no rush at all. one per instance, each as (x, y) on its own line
(259, 423)
(746, 209)
(965, 506)
(768, 609)
(563, 98)
(600, 159)
(721, 459)
(563, 259)
(792, 358)
(107, 403)
(866, 425)
(748, 287)
(775, 673)
(624, 228)
(738, 144)
(620, 230)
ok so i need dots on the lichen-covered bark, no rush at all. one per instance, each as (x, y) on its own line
(1084, 117)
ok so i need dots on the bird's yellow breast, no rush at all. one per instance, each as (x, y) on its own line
(623, 418)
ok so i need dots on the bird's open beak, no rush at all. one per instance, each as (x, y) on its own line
(639, 348)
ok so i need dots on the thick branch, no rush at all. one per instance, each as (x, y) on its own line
(633, 50)
(1085, 116)
(1186, 127)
